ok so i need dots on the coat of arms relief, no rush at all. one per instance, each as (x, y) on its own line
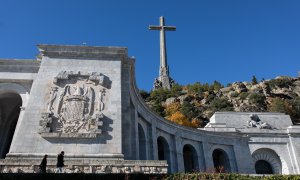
(75, 106)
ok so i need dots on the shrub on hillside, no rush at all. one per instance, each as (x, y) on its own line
(243, 95)
(144, 94)
(188, 110)
(157, 107)
(229, 176)
(234, 94)
(196, 88)
(160, 94)
(257, 98)
(279, 105)
(179, 118)
(221, 104)
(172, 108)
(295, 110)
(281, 83)
(217, 86)
(176, 90)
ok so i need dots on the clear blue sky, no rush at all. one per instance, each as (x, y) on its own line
(215, 40)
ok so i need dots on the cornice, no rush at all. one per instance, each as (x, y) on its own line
(82, 52)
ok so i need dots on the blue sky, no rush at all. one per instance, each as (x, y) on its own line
(224, 40)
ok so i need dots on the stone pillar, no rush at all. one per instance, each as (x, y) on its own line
(179, 149)
(294, 142)
(137, 154)
(154, 139)
(209, 164)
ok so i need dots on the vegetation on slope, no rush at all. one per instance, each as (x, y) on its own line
(193, 104)
(177, 176)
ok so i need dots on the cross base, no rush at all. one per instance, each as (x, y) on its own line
(163, 81)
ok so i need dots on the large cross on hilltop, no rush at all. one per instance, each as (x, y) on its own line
(164, 80)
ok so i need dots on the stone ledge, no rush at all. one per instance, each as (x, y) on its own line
(16, 77)
(102, 167)
(220, 129)
(293, 130)
(69, 135)
(11, 157)
(82, 52)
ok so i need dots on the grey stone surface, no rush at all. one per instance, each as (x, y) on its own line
(19, 66)
(108, 142)
(276, 145)
(239, 119)
(133, 138)
(85, 166)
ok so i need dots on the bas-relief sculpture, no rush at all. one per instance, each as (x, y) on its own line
(75, 106)
(256, 122)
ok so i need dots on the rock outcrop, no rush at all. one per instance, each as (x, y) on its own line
(281, 94)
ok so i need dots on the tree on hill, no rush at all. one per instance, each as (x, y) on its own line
(217, 85)
(157, 107)
(176, 90)
(254, 80)
(172, 108)
(180, 119)
(195, 88)
(144, 94)
(187, 109)
(160, 94)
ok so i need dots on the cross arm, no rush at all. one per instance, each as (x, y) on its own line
(166, 28)
(170, 28)
(151, 27)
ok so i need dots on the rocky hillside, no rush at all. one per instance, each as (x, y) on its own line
(192, 105)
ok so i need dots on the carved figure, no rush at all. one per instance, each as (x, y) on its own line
(46, 122)
(157, 84)
(256, 122)
(101, 104)
(52, 98)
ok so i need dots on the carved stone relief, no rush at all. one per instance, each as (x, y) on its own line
(75, 106)
(256, 122)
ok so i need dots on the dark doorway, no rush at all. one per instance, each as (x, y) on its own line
(142, 143)
(10, 104)
(190, 158)
(221, 161)
(263, 167)
(163, 151)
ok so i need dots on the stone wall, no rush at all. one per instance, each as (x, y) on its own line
(85, 166)
(121, 134)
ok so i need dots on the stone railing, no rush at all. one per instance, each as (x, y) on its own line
(75, 166)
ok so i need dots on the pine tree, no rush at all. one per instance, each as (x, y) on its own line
(254, 80)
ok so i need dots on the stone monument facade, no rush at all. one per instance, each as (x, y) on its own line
(72, 101)
(83, 100)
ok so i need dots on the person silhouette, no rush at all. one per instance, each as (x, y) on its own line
(43, 164)
(60, 162)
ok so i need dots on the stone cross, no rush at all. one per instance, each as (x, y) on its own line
(164, 78)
